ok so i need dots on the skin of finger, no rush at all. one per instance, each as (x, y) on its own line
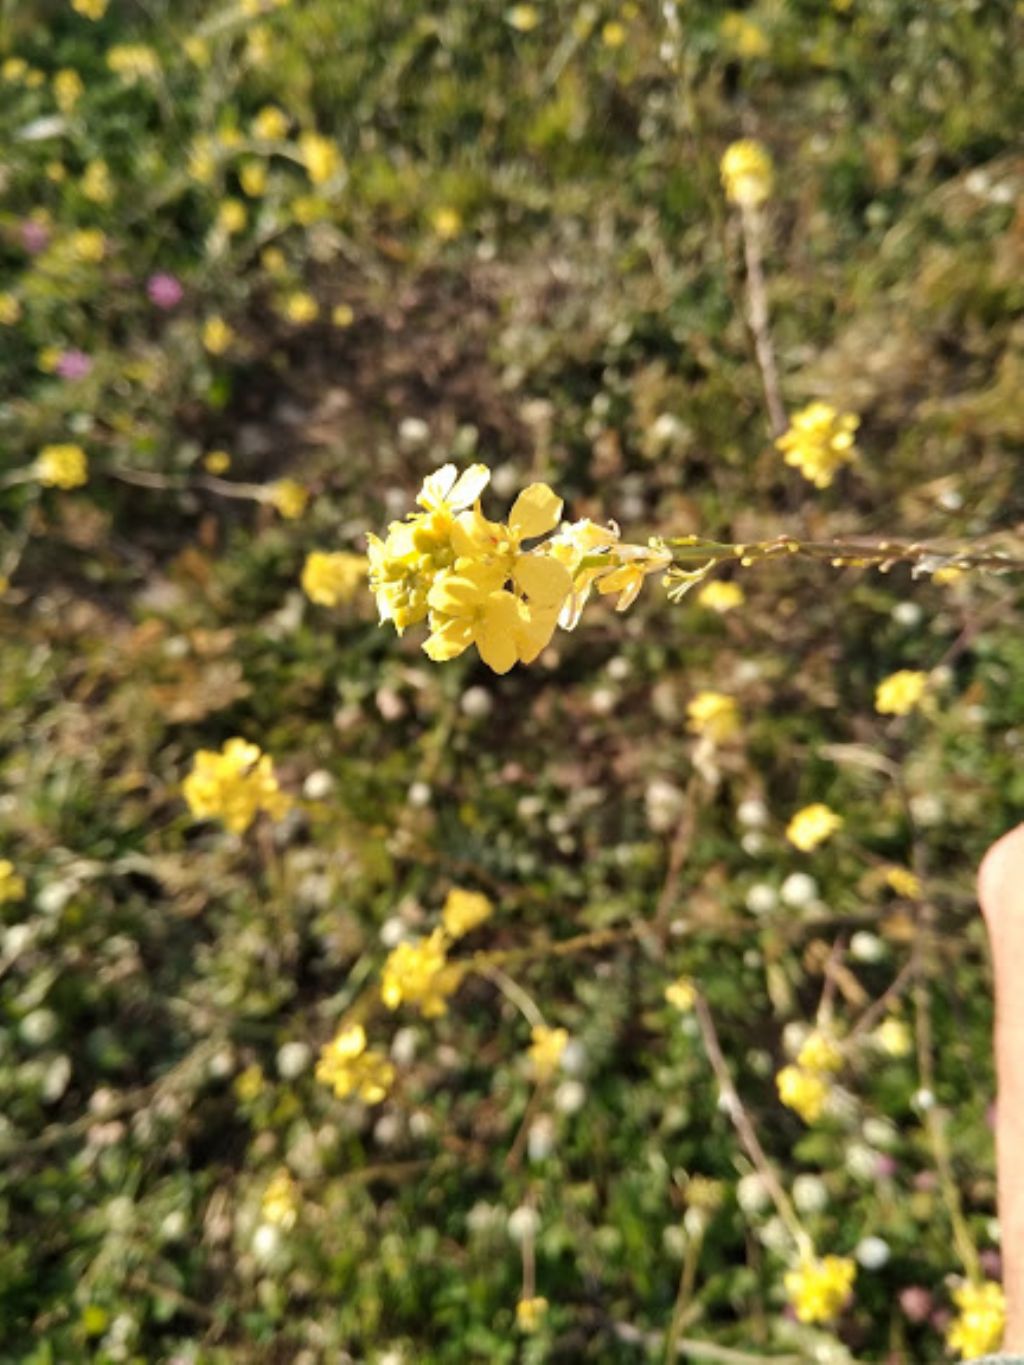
(1001, 894)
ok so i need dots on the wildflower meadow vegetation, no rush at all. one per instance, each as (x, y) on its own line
(509, 571)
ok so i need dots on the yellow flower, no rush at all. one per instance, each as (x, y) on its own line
(14, 68)
(747, 173)
(613, 34)
(819, 441)
(818, 1289)
(309, 208)
(820, 1054)
(342, 315)
(88, 245)
(97, 184)
(250, 1084)
(904, 882)
(468, 609)
(67, 89)
(898, 694)
(202, 160)
(349, 1069)
(464, 911)
(252, 176)
(288, 497)
(681, 995)
(10, 310)
(446, 222)
(197, 50)
(721, 596)
(217, 335)
(320, 156)
(979, 1326)
(629, 566)
(134, 61)
(714, 716)
(893, 1037)
(12, 886)
(300, 307)
(812, 825)
(273, 260)
(280, 1203)
(62, 466)
(49, 358)
(270, 124)
(329, 579)
(546, 1050)
(232, 216)
(90, 9)
(805, 1092)
(530, 1313)
(523, 18)
(950, 574)
(217, 462)
(418, 973)
(234, 786)
(744, 36)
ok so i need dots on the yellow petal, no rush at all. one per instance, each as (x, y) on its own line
(535, 630)
(456, 595)
(495, 634)
(468, 486)
(472, 534)
(544, 580)
(536, 510)
(448, 641)
(437, 487)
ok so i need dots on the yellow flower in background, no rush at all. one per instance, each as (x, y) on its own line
(62, 466)
(217, 462)
(251, 1084)
(349, 1069)
(273, 260)
(133, 61)
(681, 995)
(898, 694)
(288, 497)
(747, 173)
(613, 34)
(217, 335)
(464, 911)
(812, 825)
(97, 183)
(330, 579)
(270, 124)
(90, 9)
(234, 785)
(523, 18)
(202, 160)
(546, 1050)
(819, 441)
(744, 36)
(805, 1092)
(893, 1037)
(714, 716)
(418, 973)
(903, 882)
(446, 222)
(280, 1202)
(818, 1289)
(320, 156)
(49, 358)
(252, 176)
(530, 1313)
(12, 886)
(67, 89)
(10, 310)
(14, 69)
(197, 50)
(981, 1320)
(87, 245)
(721, 596)
(232, 216)
(310, 208)
(821, 1054)
(300, 307)
(342, 315)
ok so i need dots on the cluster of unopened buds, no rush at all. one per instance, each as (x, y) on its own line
(498, 585)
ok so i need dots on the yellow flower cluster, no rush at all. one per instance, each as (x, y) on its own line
(280, 1203)
(10, 309)
(747, 173)
(898, 694)
(904, 882)
(979, 1326)
(721, 596)
(62, 466)
(530, 1313)
(805, 1092)
(681, 995)
(546, 1050)
(288, 497)
(217, 335)
(818, 1289)
(476, 584)
(320, 156)
(134, 61)
(418, 973)
(330, 579)
(714, 716)
(820, 1053)
(819, 442)
(90, 9)
(465, 911)
(12, 886)
(349, 1068)
(233, 786)
(893, 1037)
(68, 89)
(812, 825)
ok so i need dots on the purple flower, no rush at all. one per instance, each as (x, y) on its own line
(74, 365)
(916, 1302)
(35, 236)
(886, 1166)
(164, 290)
